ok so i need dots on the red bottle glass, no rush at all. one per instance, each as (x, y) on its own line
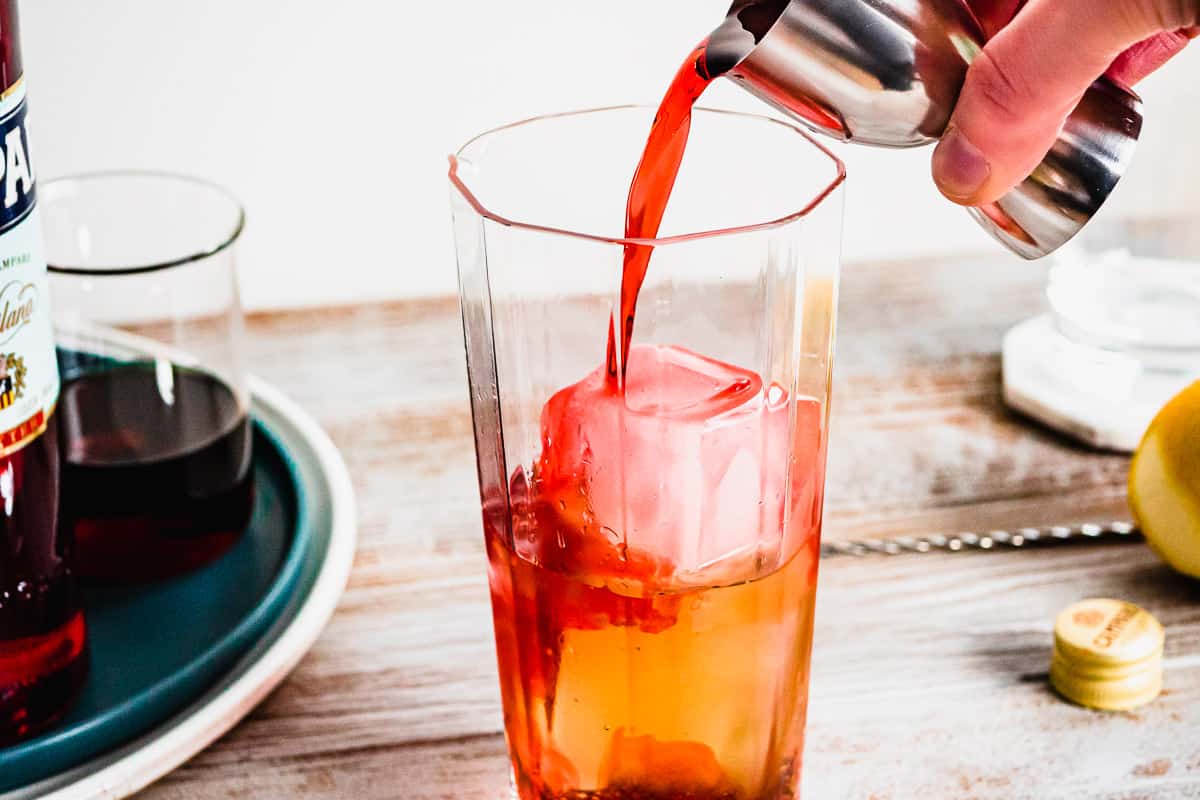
(43, 656)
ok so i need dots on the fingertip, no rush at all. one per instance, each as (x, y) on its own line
(960, 169)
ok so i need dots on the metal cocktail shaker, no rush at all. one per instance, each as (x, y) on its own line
(888, 72)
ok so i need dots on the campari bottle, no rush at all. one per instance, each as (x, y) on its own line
(43, 657)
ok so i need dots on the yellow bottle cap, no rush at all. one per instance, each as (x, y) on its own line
(1107, 655)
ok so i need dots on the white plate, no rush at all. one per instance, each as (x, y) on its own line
(141, 762)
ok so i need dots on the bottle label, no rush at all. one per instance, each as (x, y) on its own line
(28, 367)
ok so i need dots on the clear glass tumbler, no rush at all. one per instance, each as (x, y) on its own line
(653, 550)
(157, 475)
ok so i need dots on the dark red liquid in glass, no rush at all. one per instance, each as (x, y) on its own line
(157, 471)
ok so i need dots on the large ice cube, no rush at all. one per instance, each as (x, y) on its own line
(690, 467)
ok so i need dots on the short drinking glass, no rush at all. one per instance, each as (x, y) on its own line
(156, 440)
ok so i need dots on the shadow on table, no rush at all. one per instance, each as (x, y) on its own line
(1154, 586)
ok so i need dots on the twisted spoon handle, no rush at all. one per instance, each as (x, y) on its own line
(992, 540)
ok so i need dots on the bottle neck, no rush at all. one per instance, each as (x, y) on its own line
(11, 68)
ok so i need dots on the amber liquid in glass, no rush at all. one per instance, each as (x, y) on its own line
(653, 693)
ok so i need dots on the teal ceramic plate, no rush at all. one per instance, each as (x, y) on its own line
(179, 662)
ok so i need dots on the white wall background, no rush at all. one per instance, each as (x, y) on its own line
(332, 119)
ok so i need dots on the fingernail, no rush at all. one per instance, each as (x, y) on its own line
(958, 166)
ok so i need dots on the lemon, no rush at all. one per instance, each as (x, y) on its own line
(1164, 483)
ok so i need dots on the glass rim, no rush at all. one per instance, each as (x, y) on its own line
(223, 242)
(822, 194)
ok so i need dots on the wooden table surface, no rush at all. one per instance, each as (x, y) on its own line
(929, 674)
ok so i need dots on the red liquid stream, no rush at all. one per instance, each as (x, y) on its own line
(650, 191)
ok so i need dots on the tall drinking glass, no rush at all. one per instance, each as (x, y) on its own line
(652, 549)
(157, 476)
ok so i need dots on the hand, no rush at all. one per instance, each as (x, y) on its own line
(1030, 76)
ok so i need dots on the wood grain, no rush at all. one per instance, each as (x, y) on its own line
(929, 673)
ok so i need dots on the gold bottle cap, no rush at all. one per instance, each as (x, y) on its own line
(1107, 655)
